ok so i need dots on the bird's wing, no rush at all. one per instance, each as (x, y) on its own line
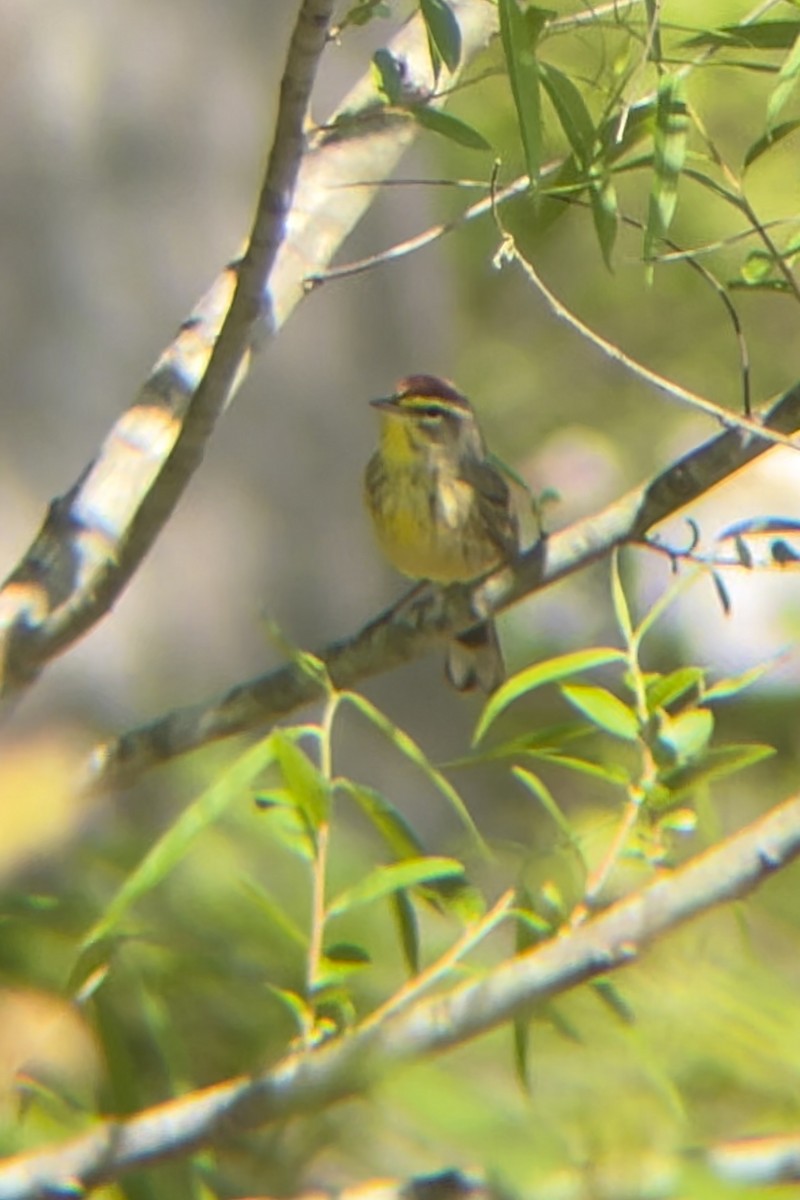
(494, 504)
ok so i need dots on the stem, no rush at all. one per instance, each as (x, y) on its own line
(320, 865)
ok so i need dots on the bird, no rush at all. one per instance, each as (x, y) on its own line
(441, 510)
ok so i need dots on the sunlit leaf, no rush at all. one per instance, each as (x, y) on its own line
(717, 763)
(603, 709)
(549, 671)
(724, 689)
(687, 735)
(611, 773)
(382, 881)
(305, 782)
(621, 610)
(665, 689)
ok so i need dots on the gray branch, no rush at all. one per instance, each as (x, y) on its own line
(426, 616)
(94, 537)
(308, 1081)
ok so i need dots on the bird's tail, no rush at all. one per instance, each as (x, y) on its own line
(475, 660)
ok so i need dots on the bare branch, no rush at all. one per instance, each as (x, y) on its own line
(308, 1081)
(94, 537)
(425, 615)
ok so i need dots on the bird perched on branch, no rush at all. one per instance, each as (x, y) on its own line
(441, 510)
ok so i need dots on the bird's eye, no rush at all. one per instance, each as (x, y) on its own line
(431, 412)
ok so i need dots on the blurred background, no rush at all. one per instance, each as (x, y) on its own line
(133, 137)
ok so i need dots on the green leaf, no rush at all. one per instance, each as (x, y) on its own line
(605, 213)
(300, 1010)
(665, 689)
(173, 845)
(548, 802)
(385, 819)
(787, 79)
(669, 150)
(363, 11)
(307, 786)
(389, 77)
(276, 914)
(716, 764)
(519, 34)
(410, 750)
(755, 35)
(687, 735)
(547, 739)
(409, 929)
(769, 140)
(621, 610)
(443, 30)
(723, 689)
(573, 115)
(339, 962)
(617, 776)
(382, 881)
(603, 709)
(288, 823)
(450, 127)
(539, 674)
(612, 997)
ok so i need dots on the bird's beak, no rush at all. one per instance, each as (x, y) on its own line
(386, 404)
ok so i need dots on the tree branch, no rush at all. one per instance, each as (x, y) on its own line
(426, 615)
(308, 1081)
(94, 537)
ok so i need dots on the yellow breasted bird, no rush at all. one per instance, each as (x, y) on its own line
(441, 510)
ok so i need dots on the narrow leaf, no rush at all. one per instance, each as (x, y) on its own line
(308, 787)
(605, 213)
(409, 929)
(450, 127)
(603, 709)
(548, 802)
(669, 150)
(409, 748)
(716, 764)
(769, 140)
(382, 881)
(573, 115)
(519, 32)
(723, 689)
(388, 822)
(688, 734)
(173, 846)
(787, 79)
(621, 610)
(443, 30)
(755, 35)
(553, 669)
(665, 689)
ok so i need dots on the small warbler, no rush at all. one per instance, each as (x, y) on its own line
(441, 510)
